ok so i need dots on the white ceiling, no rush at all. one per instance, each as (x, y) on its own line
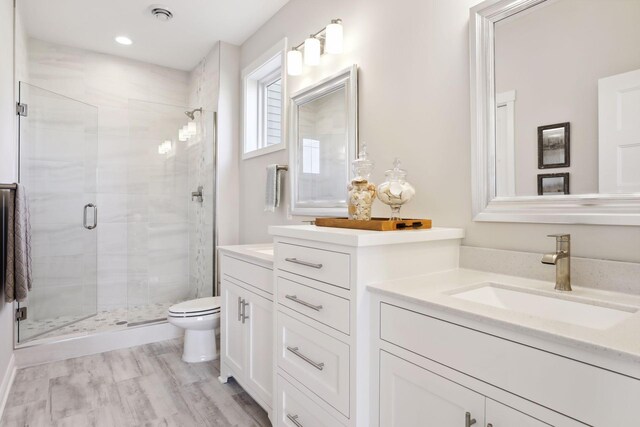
(179, 43)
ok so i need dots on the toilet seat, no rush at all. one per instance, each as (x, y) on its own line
(196, 308)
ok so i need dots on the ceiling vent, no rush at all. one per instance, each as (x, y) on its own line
(161, 13)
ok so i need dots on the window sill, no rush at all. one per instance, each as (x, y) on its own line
(263, 151)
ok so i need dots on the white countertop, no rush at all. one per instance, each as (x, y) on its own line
(621, 341)
(352, 237)
(257, 251)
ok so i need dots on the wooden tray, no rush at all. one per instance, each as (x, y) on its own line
(376, 224)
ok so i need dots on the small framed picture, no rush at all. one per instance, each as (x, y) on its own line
(553, 146)
(553, 183)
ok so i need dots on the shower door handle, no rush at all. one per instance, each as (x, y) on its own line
(95, 216)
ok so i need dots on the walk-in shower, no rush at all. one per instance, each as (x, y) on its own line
(131, 172)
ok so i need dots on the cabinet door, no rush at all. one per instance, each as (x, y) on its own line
(413, 396)
(259, 342)
(233, 345)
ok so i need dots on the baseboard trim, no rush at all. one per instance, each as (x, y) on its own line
(37, 353)
(7, 382)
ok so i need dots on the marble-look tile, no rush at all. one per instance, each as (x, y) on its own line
(112, 237)
(54, 271)
(169, 209)
(54, 207)
(54, 176)
(48, 302)
(56, 239)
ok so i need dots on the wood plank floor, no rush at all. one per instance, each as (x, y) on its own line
(147, 385)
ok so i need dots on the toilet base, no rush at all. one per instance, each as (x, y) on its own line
(199, 346)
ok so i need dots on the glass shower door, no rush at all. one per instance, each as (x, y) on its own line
(58, 140)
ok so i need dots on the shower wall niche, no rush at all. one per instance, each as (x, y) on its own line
(155, 245)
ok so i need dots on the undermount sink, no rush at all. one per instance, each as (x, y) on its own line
(560, 308)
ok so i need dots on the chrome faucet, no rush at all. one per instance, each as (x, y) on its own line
(562, 260)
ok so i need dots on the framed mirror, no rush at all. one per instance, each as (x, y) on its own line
(324, 139)
(555, 111)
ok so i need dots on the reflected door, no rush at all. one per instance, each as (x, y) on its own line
(619, 127)
(58, 154)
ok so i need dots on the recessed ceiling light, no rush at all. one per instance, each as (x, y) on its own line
(124, 40)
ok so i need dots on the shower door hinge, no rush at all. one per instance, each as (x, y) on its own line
(22, 109)
(21, 314)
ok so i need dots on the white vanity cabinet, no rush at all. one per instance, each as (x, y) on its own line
(247, 322)
(322, 321)
(435, 368)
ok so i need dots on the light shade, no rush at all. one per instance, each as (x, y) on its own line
(333, 41)
(191, 128)
(124, 40)
(294, 63)
(312, 51)
(182, 134)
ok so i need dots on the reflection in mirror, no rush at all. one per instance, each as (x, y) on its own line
(567, 87)
(324, 143)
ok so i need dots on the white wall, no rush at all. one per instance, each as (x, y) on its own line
(414, 104)
(8, 172)
(547, 57)
(228, 199)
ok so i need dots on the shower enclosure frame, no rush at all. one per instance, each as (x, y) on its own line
(214, 232)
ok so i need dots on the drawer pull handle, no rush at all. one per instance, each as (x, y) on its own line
(468, 421)
(306, 304)
(294, 420)
(294, 350)
(244, 310)
(305, 263)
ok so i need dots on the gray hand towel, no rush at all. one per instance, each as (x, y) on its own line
(272, 196)
(18, 274)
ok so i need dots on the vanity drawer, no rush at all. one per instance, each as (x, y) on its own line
(318, 361)
(545, 378)
(319, 264)
(294, 405)
(249, 273)
(318, 305)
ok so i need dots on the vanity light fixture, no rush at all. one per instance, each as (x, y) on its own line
(294, 62)
(124, 40)
(312, 51)
(327, 40)
(333, 42)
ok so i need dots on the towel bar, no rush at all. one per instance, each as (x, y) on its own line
(8, 186)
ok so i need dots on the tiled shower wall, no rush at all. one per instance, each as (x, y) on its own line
(203, 92)
(143, 198)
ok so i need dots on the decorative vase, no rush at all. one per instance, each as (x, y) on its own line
(362, 193)
(395, 191)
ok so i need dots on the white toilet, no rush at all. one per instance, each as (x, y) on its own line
(200, 318)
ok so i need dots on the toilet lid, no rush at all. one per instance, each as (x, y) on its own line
(200, 306)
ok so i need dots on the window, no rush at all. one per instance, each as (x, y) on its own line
(311, 156)
(263, 100)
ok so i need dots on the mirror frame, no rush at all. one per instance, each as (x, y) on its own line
(347, 78)
(603, 209)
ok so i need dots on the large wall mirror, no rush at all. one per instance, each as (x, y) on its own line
(556, 111)
(324, 133)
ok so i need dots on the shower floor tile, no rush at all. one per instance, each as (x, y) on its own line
(101, 322)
